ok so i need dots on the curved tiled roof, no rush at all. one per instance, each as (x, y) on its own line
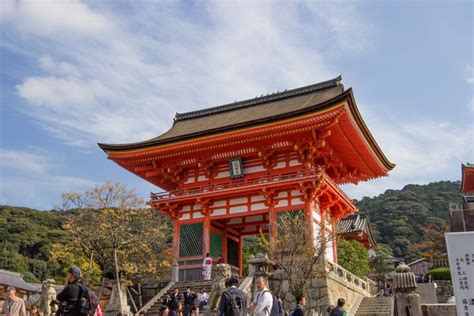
(354, 223)
(239, 114)
(258, 100)
(15, 279)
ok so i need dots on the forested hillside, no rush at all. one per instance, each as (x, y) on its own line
(413, 220)
(26, 239)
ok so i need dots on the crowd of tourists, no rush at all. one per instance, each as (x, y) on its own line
(234, 302)
(189, 303)
(77, 299)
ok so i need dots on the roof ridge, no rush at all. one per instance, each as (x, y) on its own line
(257, 100)
(10, 272)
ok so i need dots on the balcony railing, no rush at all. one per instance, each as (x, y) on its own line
(241, 183)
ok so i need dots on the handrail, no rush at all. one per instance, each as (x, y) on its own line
(350, 278)
(248, 182)
(154, 299)
(238, 183)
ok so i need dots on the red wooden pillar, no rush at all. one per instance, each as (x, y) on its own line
(334, 244)
(224, 244)
(241, 249)
(206, 238)
(175, 239)
(308, 215)
(273, 221)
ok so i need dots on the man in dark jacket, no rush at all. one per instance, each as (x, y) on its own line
(175, 299)
(339, 310)
(226, 306)
(301, 302)
(167, 300)
(189, 300)
(70, 296)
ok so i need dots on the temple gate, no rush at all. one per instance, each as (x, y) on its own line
(239, 169)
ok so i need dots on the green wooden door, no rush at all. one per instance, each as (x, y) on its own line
(216, 244)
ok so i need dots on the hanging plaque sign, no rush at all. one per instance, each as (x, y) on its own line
(236, 168)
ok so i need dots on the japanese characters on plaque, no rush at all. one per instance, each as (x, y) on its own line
(461, 262)
(236, 168)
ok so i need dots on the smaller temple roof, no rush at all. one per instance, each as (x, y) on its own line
(356, 223)
(467, 184)
(15, 279)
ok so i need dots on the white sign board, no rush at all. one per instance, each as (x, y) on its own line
(461, 263)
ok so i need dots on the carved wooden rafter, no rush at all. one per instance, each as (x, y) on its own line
(205, 206)
(171, 209)
(211, 169)
(269, 158)
(269, 196)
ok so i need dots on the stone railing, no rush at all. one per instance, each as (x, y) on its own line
(246, 287)
(155, 298)
(367, 286)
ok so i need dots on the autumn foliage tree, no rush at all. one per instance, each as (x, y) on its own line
(295, 252)
(112, 226)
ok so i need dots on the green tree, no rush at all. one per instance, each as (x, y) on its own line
(353, 256)
(382, 263)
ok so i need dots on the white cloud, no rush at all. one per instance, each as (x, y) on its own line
(345, 24)
(423, 151)
(53, 18)
(60, 68)
(29, 176)
(109, 82)
(24, 161)
(470, 74)
(63, 95)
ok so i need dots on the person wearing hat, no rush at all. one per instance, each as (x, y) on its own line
(14, 305)
(70, 296)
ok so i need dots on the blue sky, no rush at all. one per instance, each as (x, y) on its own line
(74, 73)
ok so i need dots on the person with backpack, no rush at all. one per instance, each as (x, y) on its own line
(76, 299)
(299, 310)
(263, 302)
(339, 310)
(233, 301)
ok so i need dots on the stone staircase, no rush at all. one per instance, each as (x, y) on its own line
(197, 287)
(442, 299)
(375, 306)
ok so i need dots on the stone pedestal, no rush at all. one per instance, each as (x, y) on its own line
(175, 271)
(113, 308)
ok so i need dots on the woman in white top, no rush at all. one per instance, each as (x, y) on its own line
(207, 267)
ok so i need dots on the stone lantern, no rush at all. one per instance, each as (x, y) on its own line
(407, 302)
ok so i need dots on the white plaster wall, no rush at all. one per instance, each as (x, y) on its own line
(238, 201)
(256, 198)
(258, 206)
(238, 209)
(218, 212)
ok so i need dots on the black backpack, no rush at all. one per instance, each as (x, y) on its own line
(89, 301)
(235, 304)
(277, 309)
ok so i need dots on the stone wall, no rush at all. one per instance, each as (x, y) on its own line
(427, 292)
(322, 293)
(438, 309)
